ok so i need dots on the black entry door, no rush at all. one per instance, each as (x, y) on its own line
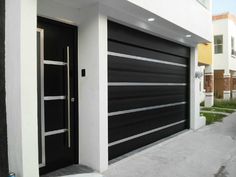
(57, 95)
(148, 88)
(3, 120)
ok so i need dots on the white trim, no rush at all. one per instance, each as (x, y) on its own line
(145, 133)
(51, 62)
(132, 57)
(68, 96)
(55, 132)
(227, 76)
(209, 74)
(209, 93)
(41, 165)
(144, 84)
(144, 109)
(49, 98)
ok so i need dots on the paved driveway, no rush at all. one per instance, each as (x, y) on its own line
(208, 152)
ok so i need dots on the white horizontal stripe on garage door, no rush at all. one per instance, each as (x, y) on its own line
(144, 84)
(145, 109)
(145, 133)
(132, 57)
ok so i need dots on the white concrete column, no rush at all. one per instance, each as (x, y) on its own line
(209, 86)
(227, 92)
(21, 87)
(93, 101)
(195, 120)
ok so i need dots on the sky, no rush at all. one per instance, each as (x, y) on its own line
(220, 6)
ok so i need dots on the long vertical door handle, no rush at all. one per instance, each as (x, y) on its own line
(68, 95)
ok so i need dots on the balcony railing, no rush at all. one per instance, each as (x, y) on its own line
(205, 3)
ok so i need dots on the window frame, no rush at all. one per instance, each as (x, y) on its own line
(233, 51)
(218, 44)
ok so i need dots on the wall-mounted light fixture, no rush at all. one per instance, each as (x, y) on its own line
(198, 74)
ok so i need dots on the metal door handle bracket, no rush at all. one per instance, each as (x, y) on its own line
(68, 95)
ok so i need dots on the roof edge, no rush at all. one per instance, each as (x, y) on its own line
(225, 15)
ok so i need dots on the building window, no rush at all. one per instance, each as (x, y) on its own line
(233, 51)
(218, 42)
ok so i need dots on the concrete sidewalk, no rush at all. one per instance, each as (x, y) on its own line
(85, 175)
(208, 152)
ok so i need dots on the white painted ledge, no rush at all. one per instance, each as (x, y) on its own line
(234, 94)
(227, 95)
(209, 99)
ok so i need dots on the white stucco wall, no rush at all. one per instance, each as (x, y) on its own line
(21, 87)
(93, 97)
(227, 28)
(221, 61)
(196, 121)
(232, 33)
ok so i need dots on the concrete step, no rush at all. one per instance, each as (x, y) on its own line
(225, 108)
(224, 113)
(220, 108)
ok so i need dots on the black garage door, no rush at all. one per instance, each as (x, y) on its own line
(148, 89)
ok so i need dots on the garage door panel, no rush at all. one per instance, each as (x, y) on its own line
(134, 37)
(120, 48)
(126, 64)
(148, 89)
(127, 146)
(123, 92)
(124, 119)
(124, 126)
(129, 130)
(132, 103)
(128, 76)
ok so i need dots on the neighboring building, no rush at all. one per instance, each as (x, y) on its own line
(206, 65)
(91, 80)
(224, 30)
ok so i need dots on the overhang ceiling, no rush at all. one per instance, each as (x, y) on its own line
(77, 3)
(134, 16)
